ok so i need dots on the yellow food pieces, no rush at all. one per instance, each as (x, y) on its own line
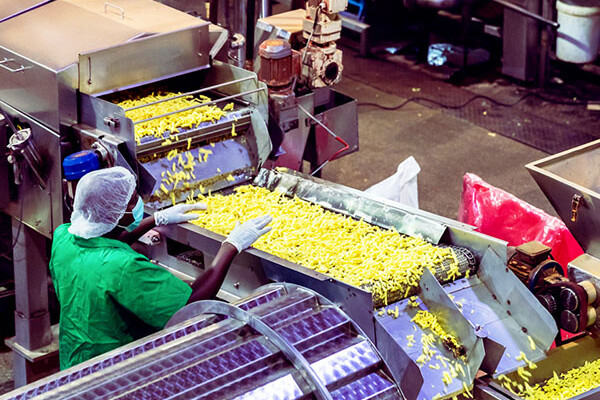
(351, 251)
(523, 357)
(203, 154)
(531, 342)
(427, 320)
(394, 313)
(567, 385)
(467, 391)
(172, 123)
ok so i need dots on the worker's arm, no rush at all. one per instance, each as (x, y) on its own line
(172, 215)
(243, 235)
(144, 226)
(208, 284)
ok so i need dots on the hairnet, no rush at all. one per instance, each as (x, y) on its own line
(101, 199)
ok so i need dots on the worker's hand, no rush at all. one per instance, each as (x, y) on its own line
(243, 235)
(177, 214)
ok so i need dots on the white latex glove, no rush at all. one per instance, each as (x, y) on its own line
(177, 214)
(243, 235)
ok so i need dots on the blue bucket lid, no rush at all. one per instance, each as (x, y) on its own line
(78, 164)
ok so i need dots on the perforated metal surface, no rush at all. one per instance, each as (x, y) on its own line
(222, 358)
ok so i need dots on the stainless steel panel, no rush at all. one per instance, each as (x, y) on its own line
(40, 209)
(144, 60)
(147, 16)
(440, 304)
(504, 335)
(392, 332)
(341, 116)
(575, 172)
(506, 338)
(10, 8)
(518, 301)
(55, 34)
(404, 370)
(294, 140)
(46, 95)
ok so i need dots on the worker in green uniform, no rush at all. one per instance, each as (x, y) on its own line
(109, 294)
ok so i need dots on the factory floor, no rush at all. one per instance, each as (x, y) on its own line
(445, 144)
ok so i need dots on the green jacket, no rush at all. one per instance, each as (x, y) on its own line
(109, 295)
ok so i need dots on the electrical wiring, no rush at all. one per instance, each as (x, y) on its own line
(308, 42)
(16, 239)
(345, 145)
(466, 103)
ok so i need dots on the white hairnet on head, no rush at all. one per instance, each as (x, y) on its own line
(101, 199)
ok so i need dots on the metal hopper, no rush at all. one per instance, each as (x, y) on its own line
(571, 181)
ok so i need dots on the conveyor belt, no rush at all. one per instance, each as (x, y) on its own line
(219, 357)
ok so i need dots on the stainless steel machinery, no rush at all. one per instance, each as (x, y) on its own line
(490, 312)
(281, 342)
(59, 62)
(496, 313)
(295, 54)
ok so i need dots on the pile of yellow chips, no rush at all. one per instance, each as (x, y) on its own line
(172, 123)
(363, 255)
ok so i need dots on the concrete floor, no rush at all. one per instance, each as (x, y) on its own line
(445, 147)
(6, 370)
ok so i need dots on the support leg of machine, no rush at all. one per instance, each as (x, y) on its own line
(32, 319)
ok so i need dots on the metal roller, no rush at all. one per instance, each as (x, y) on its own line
(467, 264)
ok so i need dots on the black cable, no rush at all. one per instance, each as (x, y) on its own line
(12, 247)
(479, 96)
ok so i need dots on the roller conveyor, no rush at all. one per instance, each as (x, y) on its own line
(217, 356)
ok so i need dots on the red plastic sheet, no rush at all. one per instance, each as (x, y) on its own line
(500, 214)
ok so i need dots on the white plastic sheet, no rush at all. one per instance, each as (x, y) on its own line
(402, 186)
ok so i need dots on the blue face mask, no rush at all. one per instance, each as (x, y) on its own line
(138, 215)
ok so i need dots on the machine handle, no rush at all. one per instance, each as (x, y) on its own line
(9, 69)
(575, 204)
(120, 9)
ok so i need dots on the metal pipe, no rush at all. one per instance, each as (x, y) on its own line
(233, 96)
(546, 35)
(317, 121)
(527, 13)
(249, 29)
(213, 11)
(265, 5)
(190, 93)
